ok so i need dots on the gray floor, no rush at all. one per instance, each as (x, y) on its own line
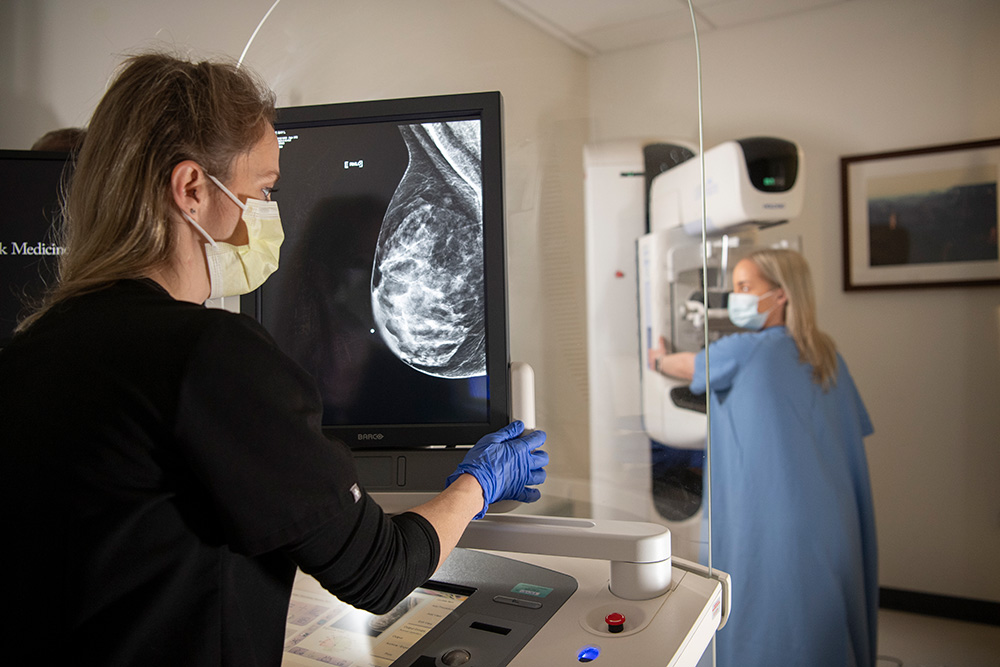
(913, 640)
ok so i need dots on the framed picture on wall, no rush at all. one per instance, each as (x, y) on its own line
(921, 217)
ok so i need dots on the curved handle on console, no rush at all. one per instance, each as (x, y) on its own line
(639, 552)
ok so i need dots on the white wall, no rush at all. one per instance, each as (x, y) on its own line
(866, 76)
(58, 55)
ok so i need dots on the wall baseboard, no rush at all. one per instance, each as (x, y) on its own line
(945, 606)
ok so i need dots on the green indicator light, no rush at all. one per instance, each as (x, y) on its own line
(770, 180)
(532, 590)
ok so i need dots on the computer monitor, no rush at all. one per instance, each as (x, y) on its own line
(28, 247)
(391, 289)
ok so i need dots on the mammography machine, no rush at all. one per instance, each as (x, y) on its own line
(646, 281)
(526, 590)
(751, 183)
(392, 293)
(522, 590)
(618, 599)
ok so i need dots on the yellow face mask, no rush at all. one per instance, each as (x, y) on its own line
(235, 270)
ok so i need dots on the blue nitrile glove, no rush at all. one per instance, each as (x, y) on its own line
(505, 465)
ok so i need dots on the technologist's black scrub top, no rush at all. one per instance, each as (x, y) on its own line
(163, 472)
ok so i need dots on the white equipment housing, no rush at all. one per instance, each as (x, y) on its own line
(546, 601)
(751, 184)
(623, 566)
(673, 607)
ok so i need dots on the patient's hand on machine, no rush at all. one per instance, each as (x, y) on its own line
(656, 353)
(679, 365)
(506, 464)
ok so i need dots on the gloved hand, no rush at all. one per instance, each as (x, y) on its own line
(505, 465)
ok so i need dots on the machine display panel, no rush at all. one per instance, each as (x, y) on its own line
(321, 630)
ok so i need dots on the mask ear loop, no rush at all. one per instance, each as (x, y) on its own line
(199, 228)
(229, 194)
(776, 304)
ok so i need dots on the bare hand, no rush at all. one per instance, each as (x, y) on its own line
(656, 352)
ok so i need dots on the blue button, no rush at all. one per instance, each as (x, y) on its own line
(588, 654)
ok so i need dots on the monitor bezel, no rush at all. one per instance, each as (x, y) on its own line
(23, 155)
(488, 107)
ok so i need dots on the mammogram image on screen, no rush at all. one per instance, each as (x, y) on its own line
(427, 290)
(380, 291)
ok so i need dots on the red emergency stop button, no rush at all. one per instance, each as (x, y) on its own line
(615, 621)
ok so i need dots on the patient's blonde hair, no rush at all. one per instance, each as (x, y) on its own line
(119, 214)
(788, 270)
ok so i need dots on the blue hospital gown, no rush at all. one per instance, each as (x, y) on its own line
(792, 515)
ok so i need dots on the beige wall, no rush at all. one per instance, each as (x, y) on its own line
(866, 76)
(58, 55)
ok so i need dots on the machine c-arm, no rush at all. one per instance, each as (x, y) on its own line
(565, 591)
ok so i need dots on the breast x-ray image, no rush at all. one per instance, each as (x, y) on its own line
(380, 291)
(427, 280)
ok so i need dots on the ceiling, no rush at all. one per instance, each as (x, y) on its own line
(603, 26)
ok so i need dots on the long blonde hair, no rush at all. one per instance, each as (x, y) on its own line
(788, 270)
(159, 110)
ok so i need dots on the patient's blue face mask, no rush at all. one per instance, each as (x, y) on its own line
(742, 309)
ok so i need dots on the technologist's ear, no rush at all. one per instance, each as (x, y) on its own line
(187, 186)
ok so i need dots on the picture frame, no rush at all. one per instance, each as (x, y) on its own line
(921, 217)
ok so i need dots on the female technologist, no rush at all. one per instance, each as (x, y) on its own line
(164, 471)
(792, 516)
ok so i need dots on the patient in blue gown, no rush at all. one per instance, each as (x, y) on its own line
(792, 515)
